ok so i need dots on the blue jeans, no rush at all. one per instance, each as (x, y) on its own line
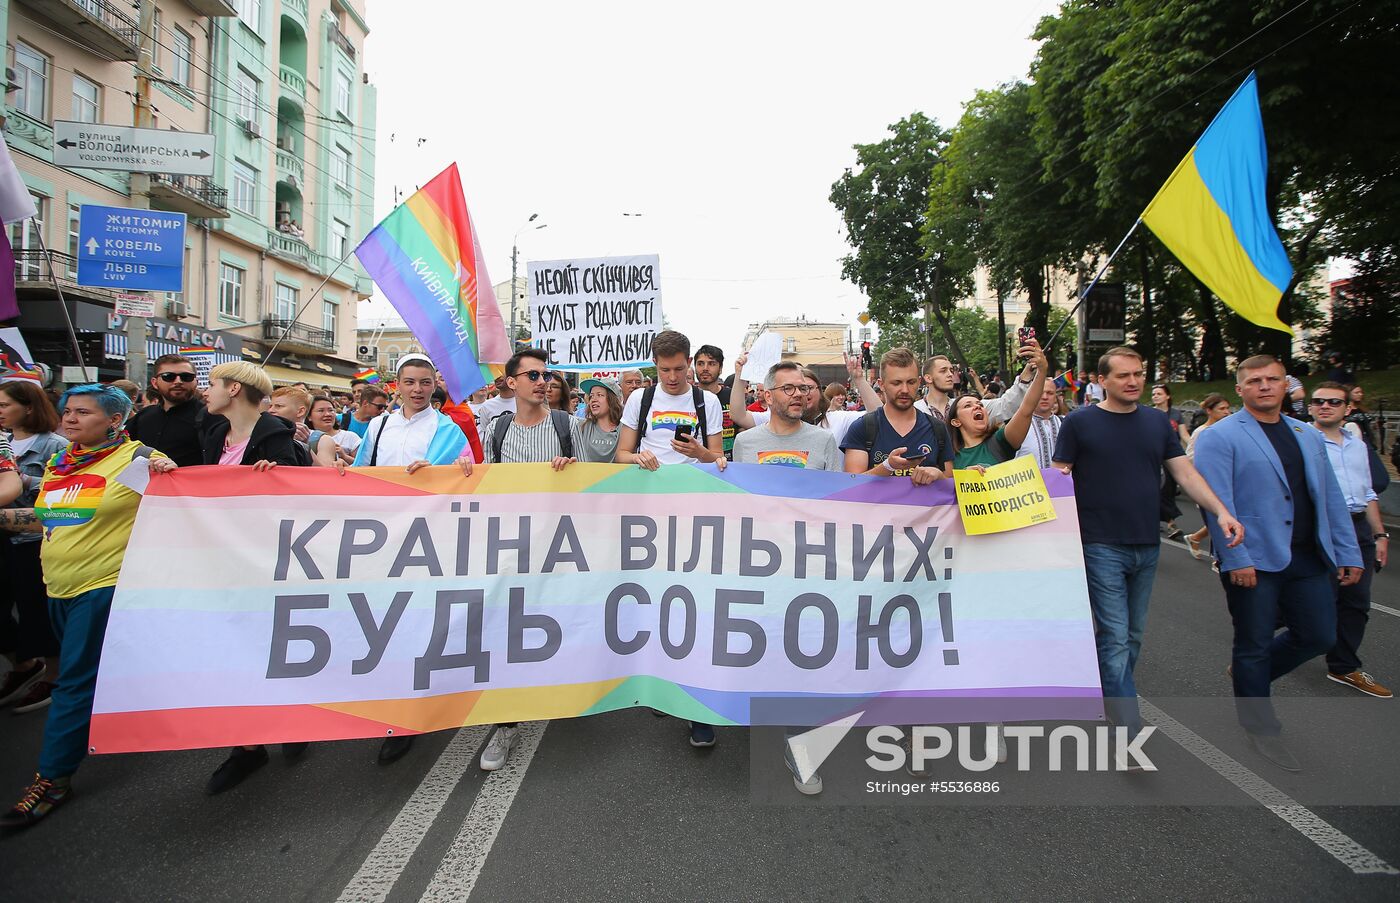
(1120, 586)
(80, 623)
(1304, 595)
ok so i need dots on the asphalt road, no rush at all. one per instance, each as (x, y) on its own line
(619, 807)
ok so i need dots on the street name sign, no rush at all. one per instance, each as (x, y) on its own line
(94, 145)
(123, 249)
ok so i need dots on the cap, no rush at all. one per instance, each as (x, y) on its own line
(609, 384)
(414, 358)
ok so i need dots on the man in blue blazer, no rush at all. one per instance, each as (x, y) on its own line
(1273, 472)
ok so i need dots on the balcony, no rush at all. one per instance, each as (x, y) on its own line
(97, 25)
(289, 247)
(215, 8)
(297, 11)
(197, 196)
(339, 39)
(290, 168)
(299, 336)
(33, 278)
(293, 84)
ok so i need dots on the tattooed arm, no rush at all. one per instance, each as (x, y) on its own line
(19, 520)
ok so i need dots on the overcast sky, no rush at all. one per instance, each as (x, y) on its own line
(723, 124)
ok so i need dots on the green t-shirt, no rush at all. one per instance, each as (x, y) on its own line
(992, 450)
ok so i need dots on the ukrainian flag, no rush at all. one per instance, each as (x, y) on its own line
(1213, 214)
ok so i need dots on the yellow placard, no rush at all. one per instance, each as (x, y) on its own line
(1007, 497)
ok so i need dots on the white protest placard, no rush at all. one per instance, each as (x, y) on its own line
(597, 313)
(765, 351)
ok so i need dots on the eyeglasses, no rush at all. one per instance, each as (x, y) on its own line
(534, 375)
(1329, 402)
(381, 405)
(790, 391)
(171, 377)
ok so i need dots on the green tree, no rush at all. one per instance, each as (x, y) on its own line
(882, 203)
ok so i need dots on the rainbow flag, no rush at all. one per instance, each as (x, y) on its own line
(426, 257)
(370, 375)
(1067, 380)
(1213, 213)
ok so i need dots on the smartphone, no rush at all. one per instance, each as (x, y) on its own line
(914, 459)
(683, 432)
(1025, 335)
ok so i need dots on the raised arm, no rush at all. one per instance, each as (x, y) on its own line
(738, 411)
(868, 399)
(1020, 422)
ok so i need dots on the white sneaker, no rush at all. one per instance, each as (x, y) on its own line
(498, 749)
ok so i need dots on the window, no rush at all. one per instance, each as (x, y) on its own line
(340, 239)
(85, 99)
(286, 303)
(245, 89)
(182, 56)
(24, 239)
(245, 188)
(250, 13)
(32, 78)
(340, 166)
(393, 359)
(155, 33)
(342, 93)
(74, 213)
(329, 311)
(231, 291)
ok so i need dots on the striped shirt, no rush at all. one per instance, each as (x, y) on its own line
(528, 444)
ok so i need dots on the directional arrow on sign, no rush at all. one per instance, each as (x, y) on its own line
(65, 144)
(92, 246)
(201, 154)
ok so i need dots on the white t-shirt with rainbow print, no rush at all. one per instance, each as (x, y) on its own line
(668, 411)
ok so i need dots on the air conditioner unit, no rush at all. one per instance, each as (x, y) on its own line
(177, 309)
(251, 129)
(367, 353)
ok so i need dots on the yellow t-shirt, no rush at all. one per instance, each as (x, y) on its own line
(87, 519)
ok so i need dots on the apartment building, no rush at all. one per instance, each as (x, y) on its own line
(281, 85)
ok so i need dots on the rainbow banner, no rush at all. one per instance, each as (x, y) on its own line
(370, 375)
(426, 258)
(1213, 213)
(382, 601)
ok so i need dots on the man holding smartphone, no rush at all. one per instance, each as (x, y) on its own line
(896, 439)
(673, 422)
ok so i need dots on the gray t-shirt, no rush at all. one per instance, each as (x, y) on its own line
(811, 447)
(598, 446)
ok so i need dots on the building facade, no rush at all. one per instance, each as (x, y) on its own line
(281, 85)
(819, 346)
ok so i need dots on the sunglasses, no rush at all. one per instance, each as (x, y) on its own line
(534, 375)
(171, 377)
(1329, 402)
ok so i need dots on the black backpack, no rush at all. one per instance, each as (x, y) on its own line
(870, 424)
(560, 419)
(697, 398)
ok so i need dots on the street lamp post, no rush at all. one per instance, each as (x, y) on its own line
(514, 261)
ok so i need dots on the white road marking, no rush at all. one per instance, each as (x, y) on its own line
(1385, 608)
(461, 865)
(382, 867)
(1303, 820)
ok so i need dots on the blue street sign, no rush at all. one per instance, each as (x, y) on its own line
(122, 248)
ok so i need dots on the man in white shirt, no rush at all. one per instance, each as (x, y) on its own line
(672, 422)
(1352, 465)
(415, 435)
(1045, 428)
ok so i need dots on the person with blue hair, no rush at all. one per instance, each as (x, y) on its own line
(85, 510)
